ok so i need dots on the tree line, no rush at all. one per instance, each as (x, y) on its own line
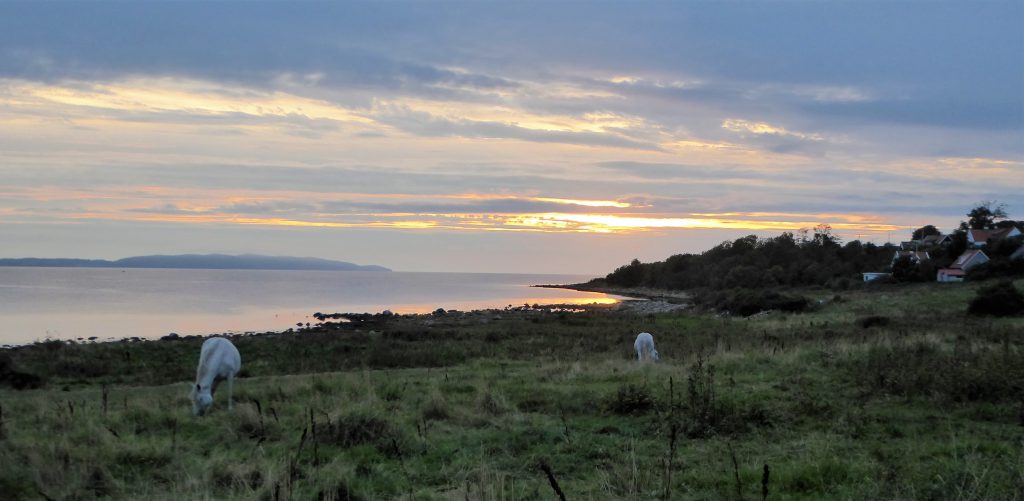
(816, 258)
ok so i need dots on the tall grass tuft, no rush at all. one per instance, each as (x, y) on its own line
(967, 373)
(702, 410)
(365, 426)
(435, 407)
(492, 402)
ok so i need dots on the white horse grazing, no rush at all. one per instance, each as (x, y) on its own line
(644, 346)
(218, 360)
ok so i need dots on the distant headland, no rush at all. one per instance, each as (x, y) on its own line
(201, 262)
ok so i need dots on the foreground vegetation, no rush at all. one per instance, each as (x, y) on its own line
(891, 393)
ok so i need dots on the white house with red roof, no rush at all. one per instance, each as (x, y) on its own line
(978, 238)
(958, 270)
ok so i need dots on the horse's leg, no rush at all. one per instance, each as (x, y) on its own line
(231, 380)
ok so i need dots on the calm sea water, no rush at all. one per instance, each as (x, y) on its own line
(71, 303)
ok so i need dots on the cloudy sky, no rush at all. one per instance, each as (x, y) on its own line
(485, 136)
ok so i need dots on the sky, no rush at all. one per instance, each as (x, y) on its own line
(541, 137)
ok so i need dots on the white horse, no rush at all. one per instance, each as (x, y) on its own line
(644, 346)
(218, 360)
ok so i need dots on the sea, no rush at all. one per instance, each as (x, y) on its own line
(102, 304)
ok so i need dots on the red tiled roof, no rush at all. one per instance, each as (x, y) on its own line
(980, 235)
(985, 235)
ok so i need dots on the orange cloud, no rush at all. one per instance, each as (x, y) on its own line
(303, 209)
(762, 128)
(543, 222)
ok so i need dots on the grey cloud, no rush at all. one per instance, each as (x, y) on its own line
(425, 124)
(267, 208)
(742, 60)
(167, 209)
(976, 112)
(663, 171)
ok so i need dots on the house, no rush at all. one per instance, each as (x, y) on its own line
(964, 263)
(1017, 254)
(927, 242)
(869, 276)
(915, 256)
(977, 239)
(934, 240)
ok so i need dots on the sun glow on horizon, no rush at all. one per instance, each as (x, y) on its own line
(482, 212)
(539, 222)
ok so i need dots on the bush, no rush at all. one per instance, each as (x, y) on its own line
(998, 267)
(873, 321)
(746, 302)
(18, 380)
(632, 399)
(1001, 299)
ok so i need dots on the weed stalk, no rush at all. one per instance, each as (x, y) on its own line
(764, 483)
(546, 468)
(736, 472)
(673, 435)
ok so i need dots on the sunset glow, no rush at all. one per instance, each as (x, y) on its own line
(513, 141)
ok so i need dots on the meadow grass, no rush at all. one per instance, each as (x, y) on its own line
(927, 406)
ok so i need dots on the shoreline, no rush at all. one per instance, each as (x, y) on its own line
(642, 300)
(634, 301)
(340, 322)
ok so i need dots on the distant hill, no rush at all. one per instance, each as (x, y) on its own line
(200, 261)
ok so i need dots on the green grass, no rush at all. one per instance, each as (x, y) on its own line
(929, 406)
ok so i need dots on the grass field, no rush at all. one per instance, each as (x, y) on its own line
(922, 402)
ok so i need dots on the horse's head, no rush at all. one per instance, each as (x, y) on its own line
(202, 400)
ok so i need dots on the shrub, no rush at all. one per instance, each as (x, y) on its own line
(1001, 299)
(18, 380)
(746, 302)
(998, 267)
(873, 321)
(632, 399)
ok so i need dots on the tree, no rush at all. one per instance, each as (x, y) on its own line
(630, 275)
(905, 269)
(958, 246)
(924, 231)
(1009, 223)
(984, 216)
(823, 236)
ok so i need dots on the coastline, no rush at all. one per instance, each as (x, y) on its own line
(40, 304)
(635, 301)
(340, 322)
(641, 300)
